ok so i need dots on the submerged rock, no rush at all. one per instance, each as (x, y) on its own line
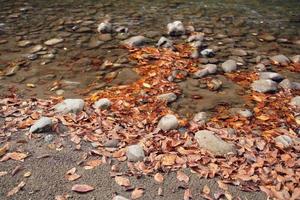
(176, 28)
(214, 144)
(168, 122)
(135, 153)
(70, 106)
(103, 103)
(136, 41)
(229, 66)
(44, 124)
(168, 97)
(264, 86)
(280, 60)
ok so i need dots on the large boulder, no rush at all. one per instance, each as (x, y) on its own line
(70, 106)
(176, 28)
(135, 153)
(168, 122)
(264, 85)
(214, 144)
(229, 66)
(136, 41)
(44, 124)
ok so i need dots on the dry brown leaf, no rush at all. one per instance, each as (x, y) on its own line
(182, 177)
(160, 191)
(158, 177)
(122, 181)
(169, 159)
(71, 175)
(263, 117)
(14, 156)
(222, 185)
(4, 149)
(16, 189)
(3, 173)
(206, 190)
(82, 188)
(60, 197)
(228, 195)
(137, 193)
(93, 163)
(187, 194)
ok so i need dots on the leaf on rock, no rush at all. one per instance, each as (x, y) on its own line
(82, 188)
(182, 177)
(137, 193)
(158, 177)
(16, 189)
(122, 181)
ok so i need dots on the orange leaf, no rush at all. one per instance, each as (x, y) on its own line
(187, 194)
(169, 159)
(263, 117)
(222, 185)
(206, 190)
(182, 177)
(94, 163)
(137, 193)
(14, 156)
(158, 178)
(82, 188)
(122, 181)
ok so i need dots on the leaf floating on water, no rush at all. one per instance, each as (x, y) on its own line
(122, 181)
(137, 193)
(16, 189)
(82, 188)
(182, 177)
(158, 177)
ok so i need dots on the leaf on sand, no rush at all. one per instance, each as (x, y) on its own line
(182, 177)
(4, 149)
(122, 181)
(82, 188)
(222, 185)
(206, 190)
(160, 191)
(16, 189)
(137, 193)
(263, 117)
(187, 194)
(92, 164)
(14, 156)
(158, 177)
(71, 175)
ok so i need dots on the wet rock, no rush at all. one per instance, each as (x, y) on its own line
(211, 68)
(44, 124)
(260, 67)
(53, 41)
(119, 197)
(32, 56)
(165, 43)
(103, 103)
(245, 113)
(208, 53)
(121, 29)
(49, 138)
(196, 37)
(70, 106)
(271, 75)
(284, 140)
(104, 27)
(48, 56)
(214, 84)
(136, 41)
(229, 66)
(264, 86)
(201, 73)
(238, 52)
(176, 28)
(112, 143)
(24, 43)
(280, 60)
(59, 92)
(84, 30)
(296, 59)
(214, 144)
(201, 117)
(36, 48)
(168, 97)
(267, 37)
(135, 153)
(295, 101)
(168, 122)
(286, 84)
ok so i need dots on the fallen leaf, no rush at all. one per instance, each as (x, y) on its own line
(16, 189)
(71, 175)
(27, 174)
(14, 156)
(82, 188)
(160, 191)
(159, 178)
(228, 195)
(187, 194)
(122, 181)
(169, 159)
(4, 149)
(206, 190)
(263, 117)
(137, 193)
(222, 185)
(182, 177)
(3, 173)
(93, 163)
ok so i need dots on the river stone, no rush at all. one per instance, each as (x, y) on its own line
(229, 66)
(260, 67)
(287, 84)
(168, 97)
(104, 27)
(24, 43)
(103, 103)
(44, 124)
(271, 75)
(200, 117)
(214, 144)
(53, 41)
(238, 52)
(176, 28)
(296, 59)
(49, 138)
(265, 85)
(280, 60)
(168, 122)
(36, 48)
(136, 41)
(70, 106)
(207, 53)
(296, 101)
(201, 73)
(119, 197)
(284, 140)
(165, 43)
(245, 113)
(135, 153)
(196, 37)
(211, 68)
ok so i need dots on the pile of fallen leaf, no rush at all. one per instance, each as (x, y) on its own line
(260, 163)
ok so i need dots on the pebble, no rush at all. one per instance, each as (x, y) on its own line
(167, 97)
(264, 86)
(136, 41)
(70, 106)
(260, 67)
(284, 140)
(24, 43)
(201, 73)
(245, 113)
(229, 66)
(104, 27)
(176, 28)
(280, 60)
(103, 103)
(119, 197)
(49, 138)
(112, 143)
(196, 37)
(44, 124)
(59, 92)
(207, 53)
(135, 153)
(32, 56)
(295, 101)
(296, 59)
(200, 117)
(211, 68)
(208, 140)
(165, 43)
(271, 75)
(36, 48)
(53, 41)
(239, 52)
(168, 122)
